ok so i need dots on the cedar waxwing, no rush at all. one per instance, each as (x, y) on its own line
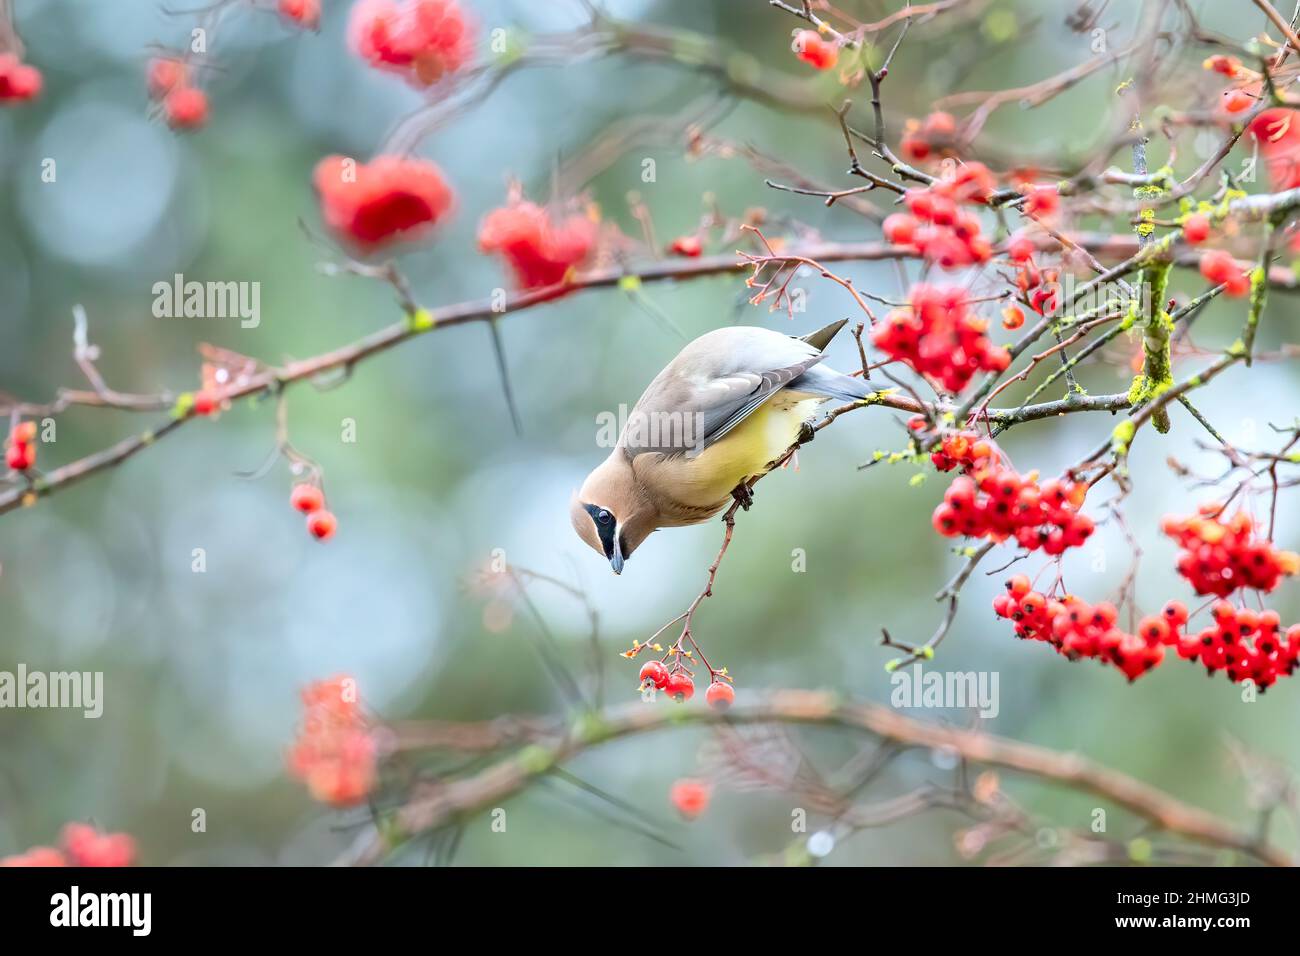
(725, 408)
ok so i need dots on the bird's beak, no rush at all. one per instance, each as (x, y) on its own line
(616, 559)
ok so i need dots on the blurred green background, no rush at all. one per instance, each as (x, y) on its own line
(202, 670)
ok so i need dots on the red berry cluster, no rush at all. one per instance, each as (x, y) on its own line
(1077, 629)
(302, 13)
(813, 49)
(184, 105)
(1220, 268)
(921, 138)
(938, 228)
(940, 337)
(81, 845)
(20, 450)
(678, 685)
(308, 498)
(966, 450)
(1040, 288)
(1245, 645)
(420, 40)
(1000, 504)
(539, 247)
(19, 81)
(369, 205)
(1219, 556)
(335, 753)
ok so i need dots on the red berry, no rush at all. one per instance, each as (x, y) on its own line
(1155, 630)
(809, 46)
(420, 40)
(305, 13)
(322, 524)
(186, 107)
(540, 247)
(86, 846)
(720, 695)
(687, 246)
(165, 74)
(1196, 228)
(1042, 201)
(18, 81)
(307, 497)
(653, 672)
(20, 456)
(1175, 612)
(1229, 66)
(205, 403)
(391, 198)
(899, 229)
(690, 797)
(1020, 249)
(1237, 101)
(680, 687)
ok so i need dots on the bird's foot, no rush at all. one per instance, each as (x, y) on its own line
(806, 432)
(744, 495)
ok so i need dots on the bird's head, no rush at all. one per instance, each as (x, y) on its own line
(610, 513)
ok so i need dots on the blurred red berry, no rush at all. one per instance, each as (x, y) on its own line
(391, 198)
(87, 846)
(420, 40)
(720, 695)
(37, 856)
(307, 497)
(540, 248)
(186, 108)
(900, 229)
(1221, 268)
(687, 246)
(205, 403)
(1196, 228)
(809, 46)
(1236, 101)
(322, 524)
(166, 74)
(19, 82)
(304, 13)
(335, 753)
(690, 797)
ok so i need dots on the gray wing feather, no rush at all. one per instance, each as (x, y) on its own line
(722, 377)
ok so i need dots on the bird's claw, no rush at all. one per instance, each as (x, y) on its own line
(744, 495)
(806, 432)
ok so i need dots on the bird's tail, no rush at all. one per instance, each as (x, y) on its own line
(820, 380)
(822, 337)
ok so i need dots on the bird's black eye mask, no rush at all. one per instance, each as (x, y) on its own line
(604, 520)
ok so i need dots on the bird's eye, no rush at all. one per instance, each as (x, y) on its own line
(604, 517)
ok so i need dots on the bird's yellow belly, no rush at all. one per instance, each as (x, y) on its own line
(706, 481)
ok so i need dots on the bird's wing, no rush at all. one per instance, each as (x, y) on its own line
(713, 385)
